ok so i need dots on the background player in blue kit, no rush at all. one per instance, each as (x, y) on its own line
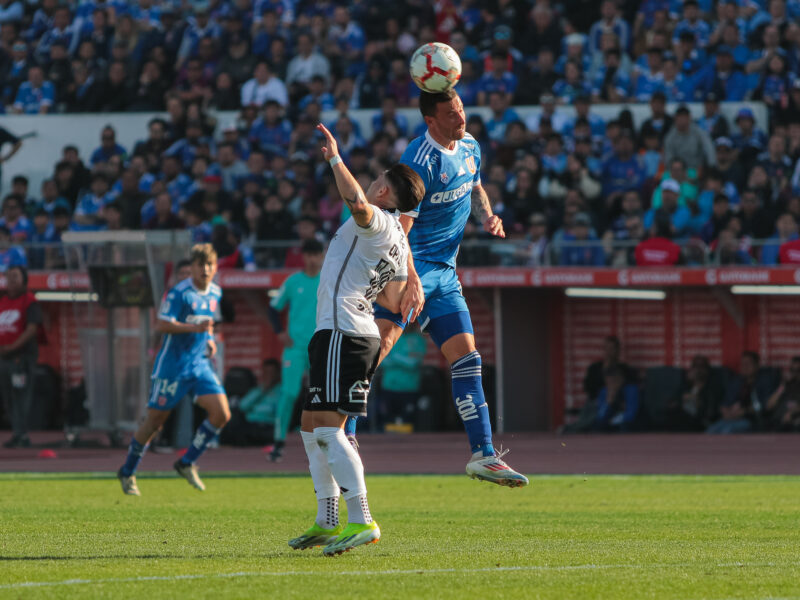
(182, 366)
(448, 159)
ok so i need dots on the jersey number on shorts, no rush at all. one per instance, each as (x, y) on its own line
(164, 387)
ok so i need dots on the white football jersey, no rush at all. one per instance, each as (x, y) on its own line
(359, 263)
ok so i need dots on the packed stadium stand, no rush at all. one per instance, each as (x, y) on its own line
(572, 187)
(614, 134)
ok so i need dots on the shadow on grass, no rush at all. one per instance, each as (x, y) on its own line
(141, 557)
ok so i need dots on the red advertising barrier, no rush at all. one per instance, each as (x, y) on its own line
(511, 277)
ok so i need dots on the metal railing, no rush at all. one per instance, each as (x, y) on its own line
(487, 253)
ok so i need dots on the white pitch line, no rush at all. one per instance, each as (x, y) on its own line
(33, 584)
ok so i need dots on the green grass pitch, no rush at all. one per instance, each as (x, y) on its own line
(443, 537)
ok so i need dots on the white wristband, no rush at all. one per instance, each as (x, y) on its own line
(335, 160)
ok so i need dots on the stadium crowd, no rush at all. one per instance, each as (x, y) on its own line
(576, 190)
(717, 400)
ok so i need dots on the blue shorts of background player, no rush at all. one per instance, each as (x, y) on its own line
(166, 393)
(445, 312)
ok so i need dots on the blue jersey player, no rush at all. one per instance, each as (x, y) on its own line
(449, 160)
(182, 366)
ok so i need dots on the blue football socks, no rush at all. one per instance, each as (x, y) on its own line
(471, 403)
(135, 453)
(350, 426)
(205, 433)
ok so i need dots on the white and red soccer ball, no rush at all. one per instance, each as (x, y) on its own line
(435, 67)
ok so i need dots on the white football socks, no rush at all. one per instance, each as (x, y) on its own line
(346, 467)
(325, 486)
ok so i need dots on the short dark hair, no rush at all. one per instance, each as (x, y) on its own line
(19, 179)
(15, 197)
(752, 355)
(312, 247)
(22, 271)
(271, 362)
(406, 185)
(428, 101)
(184, 262)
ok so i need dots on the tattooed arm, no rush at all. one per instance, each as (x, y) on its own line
(482, 210)
(351, 192)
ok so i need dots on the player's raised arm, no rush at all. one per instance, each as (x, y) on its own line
(351, 192)
(482, 210)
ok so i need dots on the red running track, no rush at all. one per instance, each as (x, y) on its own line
(447, 453)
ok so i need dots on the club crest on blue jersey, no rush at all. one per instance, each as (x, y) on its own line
(470, 162)
(443, 176)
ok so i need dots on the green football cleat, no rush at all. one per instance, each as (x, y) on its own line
(495, 470)
(355, 534)
(315, 536)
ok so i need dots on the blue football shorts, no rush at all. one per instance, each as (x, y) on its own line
(445, 313)
(165, 393)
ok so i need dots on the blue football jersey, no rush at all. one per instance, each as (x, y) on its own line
(449, 176)
(181, 353)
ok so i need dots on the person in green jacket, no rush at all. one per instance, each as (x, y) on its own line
(299, 294)
(401, 376)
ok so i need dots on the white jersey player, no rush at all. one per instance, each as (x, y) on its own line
(366, 262)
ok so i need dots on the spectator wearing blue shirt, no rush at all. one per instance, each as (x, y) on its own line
(317, 93)
(11, 12)
(389, 114)
(10, 255)
(35, 96)
(88, 212)
(568, 89)
(271, 133)
(679, 216)
(14, 218)
(61, 31)
(692, 23)
(584, 253)
(43, 233)
(676, 87)
(108, 147)
(201, 26)
(350, 41)
(617, 403)
(712, 121)
(41, 22)
(610, 22)
(785, 231)
(646, 14)
(610, 82)
(575, 46)
(177, 183)
(731, 34)
(773, 88)
(186, 149)
(499, 79)
(722, 78)
(770, 45)
(597, 125)
(502, 115)
(750, 139)
(469, 86)
(269, 29)
(623, 170)
(650, 81)
(690, 58)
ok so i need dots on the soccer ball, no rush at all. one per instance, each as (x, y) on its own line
(435, 67)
